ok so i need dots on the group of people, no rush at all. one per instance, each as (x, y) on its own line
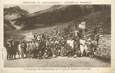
(49, 46)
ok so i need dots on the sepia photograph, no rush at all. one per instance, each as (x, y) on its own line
(57, 35)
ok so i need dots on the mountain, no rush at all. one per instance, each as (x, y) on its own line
(68, 15)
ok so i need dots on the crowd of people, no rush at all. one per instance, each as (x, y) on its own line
(43, 46)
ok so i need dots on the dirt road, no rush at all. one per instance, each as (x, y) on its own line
(58, 62)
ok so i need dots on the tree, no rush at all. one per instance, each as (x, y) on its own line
(12, 13)
(15, 10)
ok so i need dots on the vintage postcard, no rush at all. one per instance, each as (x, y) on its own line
(57, 36)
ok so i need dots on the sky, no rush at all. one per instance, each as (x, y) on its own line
(31, 8)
